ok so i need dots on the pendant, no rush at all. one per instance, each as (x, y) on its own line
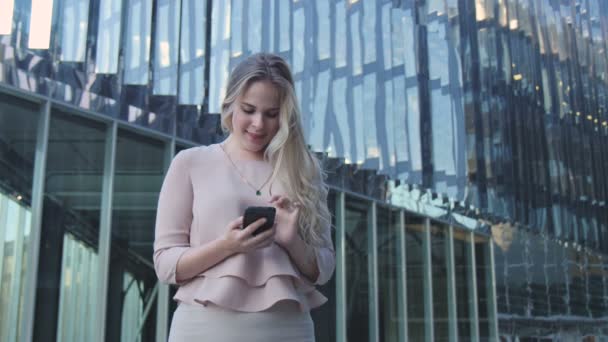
(258, 193)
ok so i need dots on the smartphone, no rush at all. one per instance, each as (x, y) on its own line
(253, 214)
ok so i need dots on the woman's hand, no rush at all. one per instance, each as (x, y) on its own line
(242, 240)
(287, 217)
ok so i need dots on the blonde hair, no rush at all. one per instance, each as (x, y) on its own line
(293, 163)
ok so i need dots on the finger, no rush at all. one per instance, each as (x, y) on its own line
(254, 226)
(275, 198)
(236, 223)
(261, 238)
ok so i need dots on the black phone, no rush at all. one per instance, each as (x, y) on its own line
(253, 214)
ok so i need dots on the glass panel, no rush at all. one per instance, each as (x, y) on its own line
(415, 276)
(323, 28)
(74, 25)
(68, 266)
(284, 25)
(138, 177)
(482, 256)
(369, 31)
(357, 272)
(463, 271)
(18, 128)
(220, 49)
(355, 37)
(389, 273)
(6, 16)
(108, 36)
(299, 53)
(40, 24)
(340, 34)
(440, 280)
(254, 25)
(324, 317)
(166, 44)
(137, 42)
(192, 52)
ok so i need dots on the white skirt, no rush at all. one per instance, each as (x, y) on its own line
(282, 322)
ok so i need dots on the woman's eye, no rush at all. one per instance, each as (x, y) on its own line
(248, 111)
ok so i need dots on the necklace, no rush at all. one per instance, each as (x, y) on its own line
(258, 191)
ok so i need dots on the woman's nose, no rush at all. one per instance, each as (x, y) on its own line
(258, 120)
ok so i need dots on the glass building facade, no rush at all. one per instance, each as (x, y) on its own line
(466, 145)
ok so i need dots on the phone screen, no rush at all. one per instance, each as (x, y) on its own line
(253, 214)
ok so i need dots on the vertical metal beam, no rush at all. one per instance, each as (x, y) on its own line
(402, 278)
(4, 202)
(33, 249)
(472, 288)
(372, 266)
(491, 284)
(340, 269)
(13, 311)
(105, 230)
(162, 303)
(428, 282)
(451, 279)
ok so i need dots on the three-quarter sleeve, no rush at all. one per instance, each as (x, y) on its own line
(173, 219)
(326, 258)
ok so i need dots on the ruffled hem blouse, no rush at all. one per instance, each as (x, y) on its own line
(200, 195)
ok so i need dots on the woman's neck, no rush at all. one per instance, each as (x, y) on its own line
(237, 152)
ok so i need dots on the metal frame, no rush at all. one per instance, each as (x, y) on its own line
(33, 250)
(403, 327)
(162, 300)
(372, 265)
(429, 321)
(451, 279)
(491, 292)
(3, 224)
(472, 287)
(105, 229)
(341, 335)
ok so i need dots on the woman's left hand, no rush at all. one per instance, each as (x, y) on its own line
(286, 220)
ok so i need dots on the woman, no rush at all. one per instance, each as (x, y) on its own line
(234, 285)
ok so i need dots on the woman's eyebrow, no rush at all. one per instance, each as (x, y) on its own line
(250, 105)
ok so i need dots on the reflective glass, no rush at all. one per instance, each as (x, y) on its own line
(355, 41)
(108, 36)
(369, 31)
(192, 52)
(370, 118)
(298, 39)
(340, 35)
(166, 47)
(340, 134)
(324, 317)
(439, 266)
(390, 291)
(219, 54)
(137, 42)
(463, 272)
(482, 257)
(254, 25)
(415, 228)
(66, 304)
(18, 131)
(323, 39)
(237, 21)
(316, 133)
(74, 25)
(357, 270)
(284, 25)
(139, 169)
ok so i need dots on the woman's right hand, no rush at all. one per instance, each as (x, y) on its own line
(242, 240)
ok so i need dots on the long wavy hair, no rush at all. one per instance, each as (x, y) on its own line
(293, 163)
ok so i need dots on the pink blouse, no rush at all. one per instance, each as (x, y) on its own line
(200, 195)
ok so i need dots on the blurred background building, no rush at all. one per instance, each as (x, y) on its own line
(465, 143)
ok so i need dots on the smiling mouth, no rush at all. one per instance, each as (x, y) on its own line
(256, 136)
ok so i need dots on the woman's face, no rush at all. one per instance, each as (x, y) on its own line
(255, 117)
